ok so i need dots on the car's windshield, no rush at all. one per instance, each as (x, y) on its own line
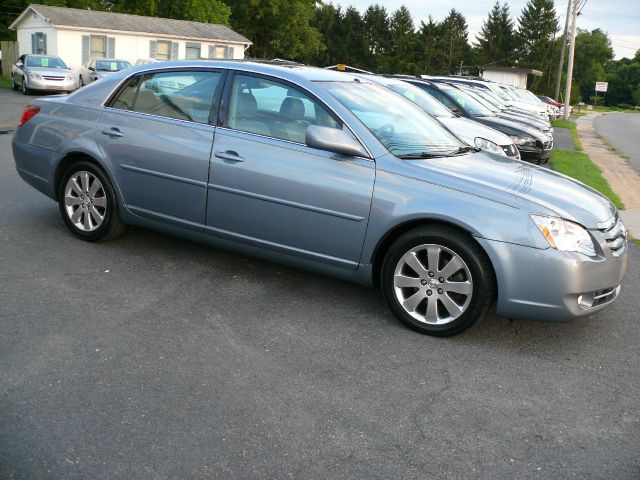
(470, 104)
(400, 125)
(422, 99)
(489, 96)
(111, 65)
(499, 92)
(46, 62)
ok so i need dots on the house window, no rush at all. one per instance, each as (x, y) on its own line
(98, 45)
(163, 50)
(192, 51)
(39, 43)
(220, 51)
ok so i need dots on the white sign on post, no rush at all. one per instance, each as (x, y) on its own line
(601, 86)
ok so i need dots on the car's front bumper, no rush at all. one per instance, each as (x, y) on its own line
(535, 284)
(51, 85)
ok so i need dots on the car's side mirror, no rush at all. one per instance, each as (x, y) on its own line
(333, 140)
(92, 69)
(19, 64)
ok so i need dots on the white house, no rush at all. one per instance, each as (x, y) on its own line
(77, 35)
(509, 75)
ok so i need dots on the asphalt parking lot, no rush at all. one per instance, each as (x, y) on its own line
(150, 357)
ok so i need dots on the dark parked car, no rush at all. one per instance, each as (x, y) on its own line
(326, 171)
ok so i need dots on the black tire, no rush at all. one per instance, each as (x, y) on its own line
(111, 227)
(463, 245)
(81, 82)
(13, 84)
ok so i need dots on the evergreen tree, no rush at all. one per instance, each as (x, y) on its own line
(456, 48)
(355, 39)
(430, 55)
(403, 42)
(378, 36)
(537, 26)
(496, 41)
(329, 21)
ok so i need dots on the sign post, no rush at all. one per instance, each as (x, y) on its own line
(601, 87)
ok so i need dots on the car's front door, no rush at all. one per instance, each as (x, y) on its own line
(157, 135)
(18, 70)
(268, 189)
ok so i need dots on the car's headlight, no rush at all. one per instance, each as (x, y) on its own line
(565, 235)
(35, 75)
(69, 76)
(522, 140)
(488, 145)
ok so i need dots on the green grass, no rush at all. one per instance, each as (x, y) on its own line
(601, 108)
(571, 125)
(5, 82)
(578, 165)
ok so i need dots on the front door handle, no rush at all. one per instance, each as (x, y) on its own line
(113, 132)
(230, 156)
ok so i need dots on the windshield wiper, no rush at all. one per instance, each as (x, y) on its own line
(414, 156)
(466, 148)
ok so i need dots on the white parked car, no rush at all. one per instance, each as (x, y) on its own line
(97, 68)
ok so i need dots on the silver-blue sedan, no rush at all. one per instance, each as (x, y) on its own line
(330, 172)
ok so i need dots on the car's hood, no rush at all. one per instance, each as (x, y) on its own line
(536, 185)
(49, 72)
(467, 130)
(510, 127)
(521, 119)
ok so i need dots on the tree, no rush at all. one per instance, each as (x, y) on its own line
(329, 21)
(378, 36)
(592, 53)
(456, 48)
(403, 42)
(496, 41)
(277, 28)
(355, 39)
(430, 57)
(537, 27)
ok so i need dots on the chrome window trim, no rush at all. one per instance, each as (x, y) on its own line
(228, 69)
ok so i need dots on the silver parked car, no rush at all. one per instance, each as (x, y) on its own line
(98, 68)
(41, 73)
(330, 172)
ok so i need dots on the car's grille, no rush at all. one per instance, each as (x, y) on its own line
(616, 235)
(55, 79)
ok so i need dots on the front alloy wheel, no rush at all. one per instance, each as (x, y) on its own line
(437, 280)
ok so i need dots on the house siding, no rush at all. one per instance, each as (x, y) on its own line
(33, 24)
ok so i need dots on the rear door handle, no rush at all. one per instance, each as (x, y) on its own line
(113, 132)
(230, 156)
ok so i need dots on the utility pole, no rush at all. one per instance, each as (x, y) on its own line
(564, 47)
(572, 50)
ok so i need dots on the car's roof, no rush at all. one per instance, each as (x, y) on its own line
(111, 59)
(293, 71)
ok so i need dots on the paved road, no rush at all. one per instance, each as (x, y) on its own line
(623, 131)
(155, 358)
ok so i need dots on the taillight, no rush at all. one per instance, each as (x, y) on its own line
(30, 111)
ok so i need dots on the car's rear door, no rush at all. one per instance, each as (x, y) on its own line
(268, 189)
(156, 132)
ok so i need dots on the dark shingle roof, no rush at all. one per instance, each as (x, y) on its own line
(74, 17)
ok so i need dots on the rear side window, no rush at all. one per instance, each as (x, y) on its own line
(274, 109)
(181, 95)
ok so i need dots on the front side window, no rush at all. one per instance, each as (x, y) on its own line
(401, 126)
(274, 109)
(181, 95)
(470, 104)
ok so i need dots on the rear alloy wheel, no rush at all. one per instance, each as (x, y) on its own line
(88, 203)
(437, 280)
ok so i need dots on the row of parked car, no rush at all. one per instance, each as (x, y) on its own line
(410, 184)
(33, 73)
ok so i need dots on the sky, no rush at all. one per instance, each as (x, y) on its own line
(619, 18)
